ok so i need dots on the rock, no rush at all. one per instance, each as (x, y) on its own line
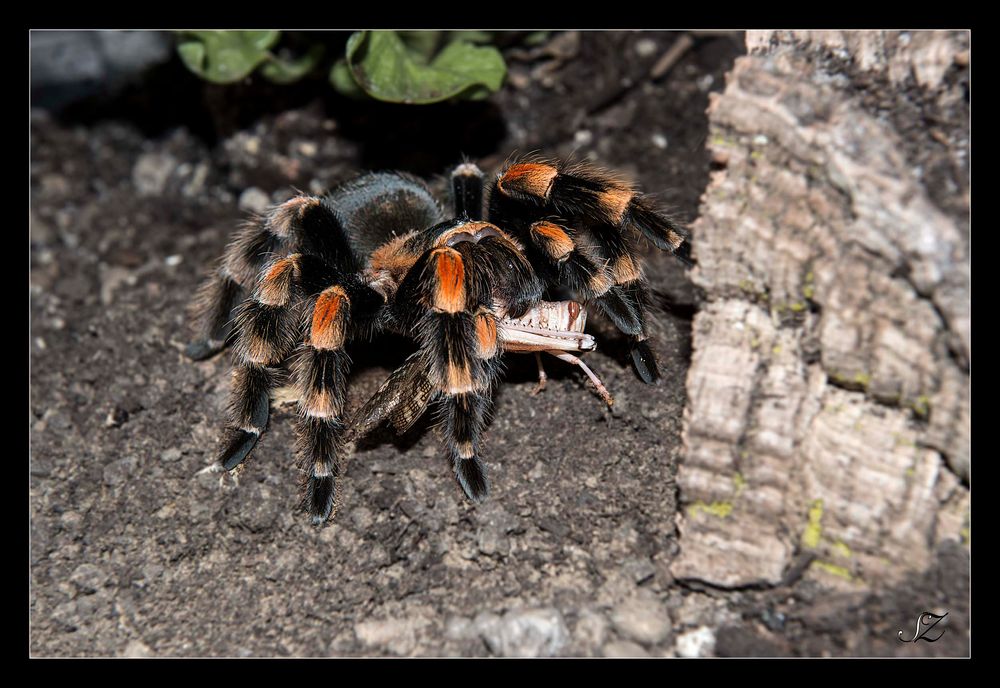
(697, 643)
(137, 648)
(66, 615)
(488, 540)
(88, 578)
(643, 620)
(495, 524)
(524, 633)
(623, 648)
(639, 570)
(111, 279)
(396, 635)
(254, 200)
(152, 172)
(645, 47)
(117, 472)
(591, 629)
(67, 66)
(172, 454)
(460, 628)
(195, 185)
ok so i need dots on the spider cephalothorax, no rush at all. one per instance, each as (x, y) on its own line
(381, 254)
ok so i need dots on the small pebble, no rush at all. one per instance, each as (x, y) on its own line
(171, 454)
(116, 416)
(645, 47)
(254, 200)
(151, 173)
(524, 633)
(137, 648)
(583, 137)
(660, 141)
(642, 620)
(623, 648)
(591, 629)
(519, 79)
(174, 260)
(697, 643)
(88, 578)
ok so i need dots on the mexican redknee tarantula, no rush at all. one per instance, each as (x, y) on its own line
(379, 253)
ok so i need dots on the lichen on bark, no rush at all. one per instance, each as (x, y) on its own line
(831, 356)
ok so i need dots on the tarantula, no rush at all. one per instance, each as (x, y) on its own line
(379, 253)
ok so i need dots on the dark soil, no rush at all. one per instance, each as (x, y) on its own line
(134, 552)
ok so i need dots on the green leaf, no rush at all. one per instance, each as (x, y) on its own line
(471, 36)
(282, 71)
(343, 81)
(383, 65)
(224, 57)
(424, 43)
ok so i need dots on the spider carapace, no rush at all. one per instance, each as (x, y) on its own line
(380, 253)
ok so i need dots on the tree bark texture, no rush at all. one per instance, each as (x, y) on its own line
(828, 395)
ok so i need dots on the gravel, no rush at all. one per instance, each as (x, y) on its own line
(526, 633)
(643, 620)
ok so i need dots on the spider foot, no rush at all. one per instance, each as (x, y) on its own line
(202, 349)
(645, 362)
(471, 475)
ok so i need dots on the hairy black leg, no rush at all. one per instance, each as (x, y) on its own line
(459, 340)
(214, 305)
(580, 268)
(594, 258)
(249, 410)
(266, 329)
(466, 367)
(500, 270)
(262, 239)
(583, 193)
(464, 417)
(319, 370)
(643, 358)
(467, 191)
(450, 288)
